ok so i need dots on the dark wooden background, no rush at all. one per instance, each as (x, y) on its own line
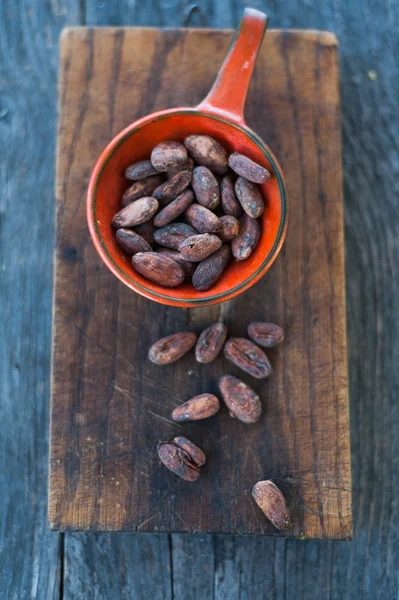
(37, 563)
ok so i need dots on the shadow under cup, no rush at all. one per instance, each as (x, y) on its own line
(135, 143)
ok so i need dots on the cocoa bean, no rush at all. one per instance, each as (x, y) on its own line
(210, 269)
(171, 348)
(187, 166)
(206, 188)
(207, 152)
(230, 203)
(243, 403)
(272, 502)
(173, 235)
(265, 334)
(140, 170)
(188, 267)
(159, 269)
(198, 247)
(168, 155)
(249, 197)
(135, 213)
(247, 239)
(229, 228)
(247, 168)
(141, 189)
(174, 209)
(248, 356)
(177, 461)
(210, 342)
(169, 190)
(202, 219)
(146, 230)
(131, 242)
(194, 453)
(200, 407)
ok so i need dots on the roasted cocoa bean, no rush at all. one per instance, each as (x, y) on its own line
(159, 269)
(230, 203)
(265, 334)
(200, 407)
(198, 247)
(171, 348)
(202, 219)
(173, 235)
(249, 197)
(247, 239)
(169, 190)
(210, 342)
(168, 155)
(188, 267)
(207, 152)
(248, 356)
(206, 188)
(272, 502)
(178, 461)
(141, 189)
(146, 230)
(210, 270)
(188, 166)
(229, 228)
(247, 168)
(174, 209)
(194, 453)
(141, 170)
(131, 242)
(135, 213)
(243, 403)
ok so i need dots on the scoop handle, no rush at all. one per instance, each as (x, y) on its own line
(228, 94)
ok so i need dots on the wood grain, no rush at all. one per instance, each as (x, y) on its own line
(110, 406)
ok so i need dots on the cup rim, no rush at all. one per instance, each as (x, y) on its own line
(102, 248)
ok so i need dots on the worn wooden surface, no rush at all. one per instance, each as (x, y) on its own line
(110, 404)
(36, 563)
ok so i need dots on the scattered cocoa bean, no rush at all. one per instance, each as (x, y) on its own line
(188, 267)
(198, 247)
(141, 189)
(196, 455)
(174, 209)
(178, 461)
(168, 155)
(229, 228)
(272, 502)
(187, 166)
(249, 197)
(230, 203)
(247, 168)
(146, 230)
(247, 239)
(169, 190)
(131, 242)
(135, 213)
(207, 152)
(243, 403)
(210, 270)
(265, 334)
(171, 348)
(159, 269)
(210, 342)
(173, 235)
(206, 188)
(248, 356)
(202, 219)
(200, 407)
(141, 170)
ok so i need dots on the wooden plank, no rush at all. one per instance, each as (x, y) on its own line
(110, 406)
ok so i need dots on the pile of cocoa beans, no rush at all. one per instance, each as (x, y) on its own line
(191, 209)
(182, 456)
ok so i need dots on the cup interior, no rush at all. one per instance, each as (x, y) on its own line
(135, 143)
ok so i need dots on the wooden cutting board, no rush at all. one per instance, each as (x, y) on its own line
(110, 405)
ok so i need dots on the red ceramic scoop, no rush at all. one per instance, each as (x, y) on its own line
(220, 115)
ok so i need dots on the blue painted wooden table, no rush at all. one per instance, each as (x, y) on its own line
(37, 563)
